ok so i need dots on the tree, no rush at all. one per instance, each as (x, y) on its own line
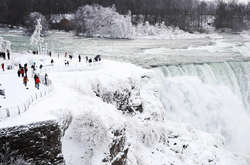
(31, 20)
(101, 21)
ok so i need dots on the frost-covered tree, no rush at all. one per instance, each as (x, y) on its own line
(98, 21)
(31, 21)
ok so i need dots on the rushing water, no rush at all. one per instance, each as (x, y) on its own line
(214, 97)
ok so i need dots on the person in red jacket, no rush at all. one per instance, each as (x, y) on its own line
(22, 71)
(2, 66)
(37, 82)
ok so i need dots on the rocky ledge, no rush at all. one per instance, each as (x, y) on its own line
(37, 143)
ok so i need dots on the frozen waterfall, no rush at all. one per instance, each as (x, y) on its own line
(213, 97)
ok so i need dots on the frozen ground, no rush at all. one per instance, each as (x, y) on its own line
(149, 136)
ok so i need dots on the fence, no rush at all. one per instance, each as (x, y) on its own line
(23, 107)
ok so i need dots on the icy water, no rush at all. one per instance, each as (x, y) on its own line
(144, 52)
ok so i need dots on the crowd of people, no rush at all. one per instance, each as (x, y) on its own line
(89, 60)
(22, 71)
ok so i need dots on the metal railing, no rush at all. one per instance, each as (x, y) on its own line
(16, 110)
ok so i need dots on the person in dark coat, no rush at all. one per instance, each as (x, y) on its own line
(46, 79)
(8, 54)
(79, 58)
(97, 58)
(90, 60)
(25, 69)
(18, 73)
(87, 59)
(25, 81)
(52, 61)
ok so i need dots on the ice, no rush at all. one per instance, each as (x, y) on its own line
(37, 41)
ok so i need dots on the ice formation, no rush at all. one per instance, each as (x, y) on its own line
(37, 41)
(4, 45)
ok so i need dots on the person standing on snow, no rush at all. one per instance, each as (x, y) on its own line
(18, 73)
(25, 69)
(52, 62)
(87, 59)
(37, 81)
(8, 54)
(22, 72)
(25, 80)
(2, 66)
(79, 57)
(46, 79)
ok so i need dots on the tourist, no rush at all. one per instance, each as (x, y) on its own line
(97, 58)
(41, 66)
(22, 72)
(25, 81)
(79, 57)
(26, 69)
(87, 59)
(37, 81)
(70, 57)
(8, 54)
(46, 79)
(52, 61)
(90, 60)
(18, 73)
(2, 66)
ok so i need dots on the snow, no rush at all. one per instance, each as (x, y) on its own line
(56, 18)
(150, 137)
(106, 22)
(161, 31)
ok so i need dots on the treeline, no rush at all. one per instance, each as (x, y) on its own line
(190, 15)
